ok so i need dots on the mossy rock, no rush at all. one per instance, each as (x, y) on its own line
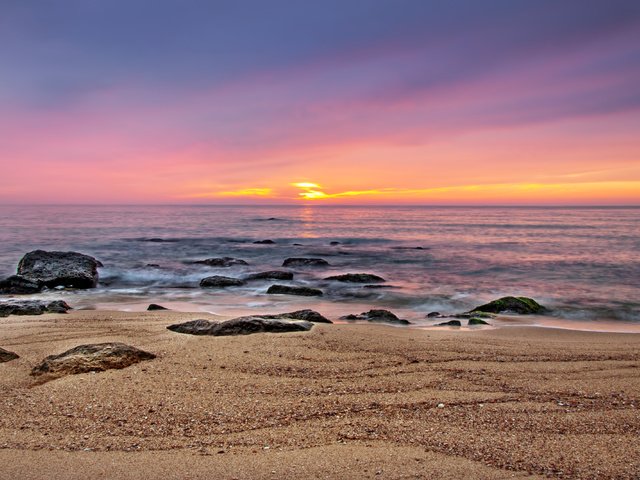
(477, 321)
(521, 305)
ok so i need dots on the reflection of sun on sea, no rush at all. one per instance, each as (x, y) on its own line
(307, 222)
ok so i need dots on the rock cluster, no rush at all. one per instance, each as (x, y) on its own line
(377, 315)
(289, 290)
(241, 326)
(32, 307)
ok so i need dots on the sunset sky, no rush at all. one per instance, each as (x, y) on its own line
(349, 102)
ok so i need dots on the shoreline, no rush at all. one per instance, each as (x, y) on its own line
(343, 401)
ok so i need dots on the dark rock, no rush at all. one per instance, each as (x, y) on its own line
(357, 278)
(380, 286)
(308, 315)
(379, 315)
(66, 269)
(334, 243)
(410, 248)
(222, 262)
(288, 290)
(15, 284)
(241, 326)
(264, 242)
(450, 323)
(474, 314)
(153, 265)
(305, 262)
(159, 240)
(91, 358)
(32, 307)
(433, 315)
(7, 356)
(155, 306)
(270, 275)
(297, 245)
(58, 306)
(477, 321)
(521, 305)
(218, 281)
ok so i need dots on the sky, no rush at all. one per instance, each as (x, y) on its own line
(333, 102)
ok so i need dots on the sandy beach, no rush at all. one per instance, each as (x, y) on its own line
(341, 401)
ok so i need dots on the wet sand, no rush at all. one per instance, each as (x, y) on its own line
(341, 401)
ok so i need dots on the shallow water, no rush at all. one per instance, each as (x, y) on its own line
(583, 263)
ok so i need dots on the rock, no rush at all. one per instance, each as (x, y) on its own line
(477, 321)
(241, 326)
(305, 262)
(222, 262)
(521, 305)
(155, 306)
(334, 243)
(7, 356)
(264, 242)
(52, 269)
(450, 323)
(218, 281)
(433, 315)
(288, 290)
(474, 314)
(308, 315)
(357, 278)
(383, 316)
(32, 307)
(380, 286)
(270, 275)
(153, 265)
(158, 240)
(91, 358)
(15, 284)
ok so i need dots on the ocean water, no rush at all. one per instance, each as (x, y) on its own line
(582, 263)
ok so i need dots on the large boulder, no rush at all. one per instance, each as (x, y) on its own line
(154, 306)
(305, 262)
(218, 281)
(289, 290)
(241, 326)
(91, 358)
(450, 323)
(307, 315)
(15, 284)
(357, 278)
(222, 262)
(270, 275)
(32, 307)
(521, 305)
(377, 315)
(7, 356)
(53, 269)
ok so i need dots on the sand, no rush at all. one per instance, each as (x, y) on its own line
(339, 402)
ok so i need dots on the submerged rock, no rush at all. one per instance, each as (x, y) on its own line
(221, 262)
(32, 307)
(521, 305)
(305, 262)
(65, 269)
(380, 286)
(264, 242)
(155, 306)
(241, 326)
(7, 356)
(477, 321)
(289, 290)
(450, 323)
(357, 278)
(433, 315)
(270, 275)
(15, 284)
(474, 313)
(308, 315)
(91, 358)
(218, 281)
(378, 315)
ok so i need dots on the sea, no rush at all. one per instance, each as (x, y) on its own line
(583, 264)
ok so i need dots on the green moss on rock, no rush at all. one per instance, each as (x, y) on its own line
(521, 305)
